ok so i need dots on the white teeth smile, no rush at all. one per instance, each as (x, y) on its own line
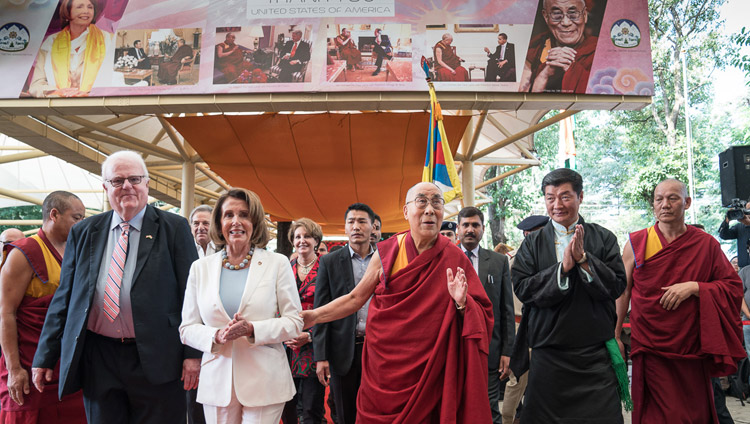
(236, 232)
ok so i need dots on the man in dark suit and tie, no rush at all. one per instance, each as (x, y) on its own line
(294, 54)
(137, 52)
(501, 63)
(338, 344)
(494, 273)
(113, 322)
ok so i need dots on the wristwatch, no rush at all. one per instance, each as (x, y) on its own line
(583, 259)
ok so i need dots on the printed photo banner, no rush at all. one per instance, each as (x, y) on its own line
(71, 48)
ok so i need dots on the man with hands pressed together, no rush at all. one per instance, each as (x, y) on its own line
(425, 355)
(685, 314)
(568, 275)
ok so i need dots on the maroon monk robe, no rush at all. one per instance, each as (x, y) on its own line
(576, 78)
(676, 352)
(38, 407)
(422, 362)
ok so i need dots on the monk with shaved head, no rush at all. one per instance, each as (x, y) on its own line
(685, 314)
(428, 326)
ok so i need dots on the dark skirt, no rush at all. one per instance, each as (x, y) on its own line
(574, 385)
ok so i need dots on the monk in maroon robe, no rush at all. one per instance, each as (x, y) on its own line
(28, 281)
(230, 59)
(559, 59)
(169, 69)
(447, 63)
(425, 353)
(685, 314)
(348, 50)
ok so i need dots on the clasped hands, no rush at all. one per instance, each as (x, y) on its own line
(574, 251)
(236, 328)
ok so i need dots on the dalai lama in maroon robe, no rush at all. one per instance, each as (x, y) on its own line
(559, 60)
(685, 314)
(425, 355)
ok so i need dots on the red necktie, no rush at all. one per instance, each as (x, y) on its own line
(114, 276)
(294, 49)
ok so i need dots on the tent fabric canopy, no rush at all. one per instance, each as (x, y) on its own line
(315, 165)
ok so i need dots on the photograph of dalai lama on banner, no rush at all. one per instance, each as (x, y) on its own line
(262, 54)
(562, 46)
(476, 52)
(78, 50)
(379, 52)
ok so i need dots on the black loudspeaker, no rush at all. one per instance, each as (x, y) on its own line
(734, 174)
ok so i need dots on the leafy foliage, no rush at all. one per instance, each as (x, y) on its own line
(20, 212)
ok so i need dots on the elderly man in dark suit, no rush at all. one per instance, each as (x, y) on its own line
(294, 54)
(113, 322)
(494, 273)
(338, 344)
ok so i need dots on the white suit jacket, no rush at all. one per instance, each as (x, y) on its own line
(257, 366)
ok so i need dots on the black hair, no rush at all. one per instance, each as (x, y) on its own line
(561, 176)
(470, 211)
(361, 207)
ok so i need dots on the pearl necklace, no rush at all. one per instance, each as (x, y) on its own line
(306, 268)
(225, 260)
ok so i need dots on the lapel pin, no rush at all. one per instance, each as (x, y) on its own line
(149, 236)
(260, 263)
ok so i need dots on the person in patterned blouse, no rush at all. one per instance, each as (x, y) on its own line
(305, 235)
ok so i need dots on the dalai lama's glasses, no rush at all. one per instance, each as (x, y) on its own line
(133, 180)
(422, 202)
(557, 16)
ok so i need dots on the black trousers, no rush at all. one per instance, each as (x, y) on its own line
(116, 390)
(345, 387)
(720, 402)
(307, 403)
(493, 392)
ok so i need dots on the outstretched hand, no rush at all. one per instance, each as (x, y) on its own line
(457, 286)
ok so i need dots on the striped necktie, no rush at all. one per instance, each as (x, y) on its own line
(114, 276)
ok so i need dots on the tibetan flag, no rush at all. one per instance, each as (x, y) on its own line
(438, 165)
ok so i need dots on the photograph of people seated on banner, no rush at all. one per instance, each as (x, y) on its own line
(149, 57)
(476, 52)
(78, 49)
(562, 46)
(369, 53)
(262, 54)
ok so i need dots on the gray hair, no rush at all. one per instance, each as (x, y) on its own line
(446, 35)
(413, 188)
(123, 156)
(297, 31)
(200, 208)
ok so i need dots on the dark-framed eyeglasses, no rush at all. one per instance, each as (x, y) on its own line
(422, 202)
(133, 180)
(557, 16)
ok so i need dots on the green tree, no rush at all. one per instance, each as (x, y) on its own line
(20, 213)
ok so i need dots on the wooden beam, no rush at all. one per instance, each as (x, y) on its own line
(173, 136)
(212, 175)
(503, 175)
(21, 156)
(160, 151)
(477, 132)
(524, 133)
(107, 123)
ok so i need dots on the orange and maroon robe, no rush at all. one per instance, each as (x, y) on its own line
(676, 352)
(422, 361)
(451, 59)
(38, 407)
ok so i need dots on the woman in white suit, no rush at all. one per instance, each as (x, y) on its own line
(241, 304)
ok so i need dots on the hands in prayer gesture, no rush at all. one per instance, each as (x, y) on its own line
(237, 327)
(457, 286)
(574, 251)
